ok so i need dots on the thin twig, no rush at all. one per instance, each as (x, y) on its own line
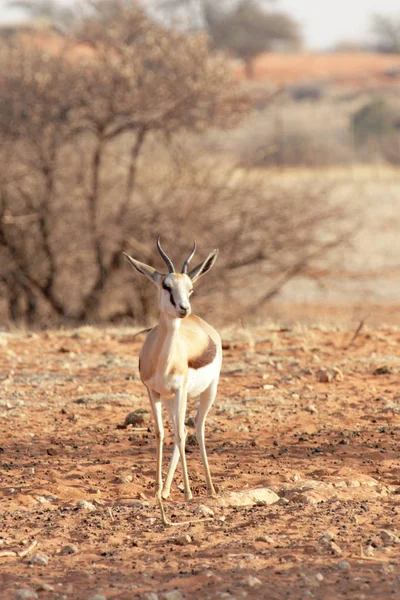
(7, 553)
(28, 549)
(357, 331)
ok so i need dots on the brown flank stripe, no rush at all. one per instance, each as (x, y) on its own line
(205, 358)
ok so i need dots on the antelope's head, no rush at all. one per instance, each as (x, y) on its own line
(175, 288)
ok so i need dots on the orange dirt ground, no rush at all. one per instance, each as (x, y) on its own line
(303, 411)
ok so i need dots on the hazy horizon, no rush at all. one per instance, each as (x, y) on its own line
(323, 24)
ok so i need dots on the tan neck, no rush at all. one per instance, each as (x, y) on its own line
(167, 334)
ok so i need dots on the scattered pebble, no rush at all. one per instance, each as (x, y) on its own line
(337, 374)
(173, 595)
(97, 597)
(252, 581)
(181, 540)
(191, 440)
(204, 511)
(267, 539)
(311, 408)
(344, 565)
(324, 376)
(69, 549)
(149, 596)
(26, 594)
(124, 479)
(383, 370)
(369, 550)
(85, 505)
(40, 559)
(45, 587)
(137, 417)
(330, 545)
(389, 538)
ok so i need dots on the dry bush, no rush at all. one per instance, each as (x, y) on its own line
(62, 117)
(92, 138)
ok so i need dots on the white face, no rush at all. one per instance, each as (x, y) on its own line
(175, 292)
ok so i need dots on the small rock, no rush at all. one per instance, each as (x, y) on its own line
(344, 565)
(324, 376)
(283, 501)
(389, 538)
(252, 581)
(190, 422)
(247, 498)
(181, 540)
(337, 374)
(97, 597)
(204, 511)
(69, 549)
(265, 538)
(40, 559)
(26, 594)
(331, 546)
(124, 479)
(45, 587)
(319, 577)
(191, 440)
(149, 596)
(173, 595)
(137, 417)
(311, 408)
(383, 370)
(369, 550)
(84, 504)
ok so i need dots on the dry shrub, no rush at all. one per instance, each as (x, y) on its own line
(63, 117)
(94, 168)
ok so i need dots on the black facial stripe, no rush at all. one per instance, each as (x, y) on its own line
(172, 298)
(168, 289)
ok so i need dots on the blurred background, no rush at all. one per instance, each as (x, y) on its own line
(269, 129)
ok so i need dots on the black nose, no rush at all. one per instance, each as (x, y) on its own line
(184, 308)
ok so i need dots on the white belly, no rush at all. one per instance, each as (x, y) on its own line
(200, 379)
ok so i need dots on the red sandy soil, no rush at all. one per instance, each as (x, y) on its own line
(302, 411)
(360, 68)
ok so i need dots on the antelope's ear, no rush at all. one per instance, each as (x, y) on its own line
(203, 267)
(145, 270)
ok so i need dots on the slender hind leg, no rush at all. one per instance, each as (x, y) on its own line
(206, 401)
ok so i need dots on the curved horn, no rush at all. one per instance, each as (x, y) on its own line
(168, 261)
(189, 258)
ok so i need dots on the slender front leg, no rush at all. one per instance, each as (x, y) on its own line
(171, 470)
(180, 435)
(206, 400)
(156, 408)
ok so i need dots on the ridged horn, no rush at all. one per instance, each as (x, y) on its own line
(168, 261)
(189, 258)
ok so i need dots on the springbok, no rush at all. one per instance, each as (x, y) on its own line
(180, 358)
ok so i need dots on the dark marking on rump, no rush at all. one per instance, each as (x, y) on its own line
(205, 358)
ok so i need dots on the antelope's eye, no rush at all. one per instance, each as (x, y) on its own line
(165, 287)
